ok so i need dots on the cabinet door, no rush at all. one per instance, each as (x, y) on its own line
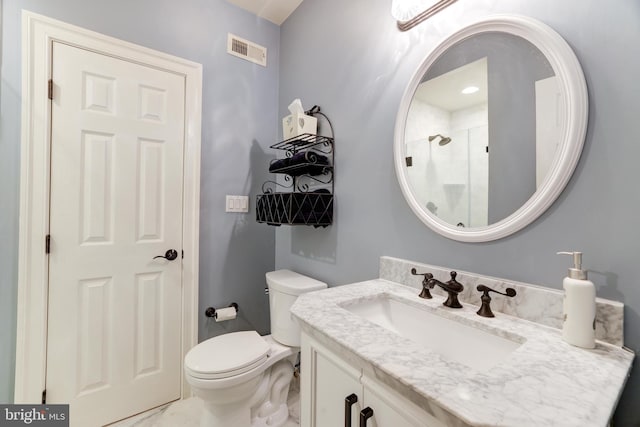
(392, 410)
(326, 381)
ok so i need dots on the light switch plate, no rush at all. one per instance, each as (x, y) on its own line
(237, 204)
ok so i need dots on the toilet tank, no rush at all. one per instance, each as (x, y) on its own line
(284, 287)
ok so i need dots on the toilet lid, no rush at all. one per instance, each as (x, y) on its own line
(227, 355)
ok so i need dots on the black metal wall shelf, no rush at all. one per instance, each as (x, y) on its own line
(308, 159)
(311, 208)
(302, 163)
(303, 142)
(300, 169)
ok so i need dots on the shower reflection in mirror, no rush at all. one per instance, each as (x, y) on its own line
(447, 136)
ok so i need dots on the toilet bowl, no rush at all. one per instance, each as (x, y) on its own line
(243, 378)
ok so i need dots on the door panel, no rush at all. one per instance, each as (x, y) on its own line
(150, 190)
(93, 334)
(96, 178)
(325, 383)
(148, 310)
(114, 319)
(392, 409)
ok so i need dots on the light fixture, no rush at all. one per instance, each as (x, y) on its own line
(410, 13)
(404, 10)
(470, 89)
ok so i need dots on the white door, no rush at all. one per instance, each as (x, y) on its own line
(114, 316)
(549, 120)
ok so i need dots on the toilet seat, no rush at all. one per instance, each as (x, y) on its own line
(227, 355)
(243, 379)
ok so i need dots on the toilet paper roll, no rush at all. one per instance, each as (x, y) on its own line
(228, 313)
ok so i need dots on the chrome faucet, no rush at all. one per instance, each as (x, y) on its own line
(452, 287)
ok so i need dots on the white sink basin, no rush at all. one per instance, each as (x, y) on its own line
(455, 341)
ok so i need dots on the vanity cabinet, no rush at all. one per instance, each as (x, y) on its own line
(327, 380)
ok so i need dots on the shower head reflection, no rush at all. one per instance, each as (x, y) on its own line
(444, 140)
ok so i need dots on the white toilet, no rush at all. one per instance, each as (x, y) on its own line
(242, 377)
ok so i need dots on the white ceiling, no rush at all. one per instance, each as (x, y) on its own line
(276, 11)
(444, 91)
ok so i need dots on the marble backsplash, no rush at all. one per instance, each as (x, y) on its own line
(534, 303)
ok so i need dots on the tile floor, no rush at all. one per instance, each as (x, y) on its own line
(186, 413)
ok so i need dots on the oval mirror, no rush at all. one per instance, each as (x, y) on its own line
(490, 128)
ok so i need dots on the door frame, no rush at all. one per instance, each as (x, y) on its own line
(38, 34)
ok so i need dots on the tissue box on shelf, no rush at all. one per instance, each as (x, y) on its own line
(297, 124)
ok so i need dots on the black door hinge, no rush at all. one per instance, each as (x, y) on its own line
(47, 244)
(183, 254)
(50, 89)
(487, 148)
(44, 396)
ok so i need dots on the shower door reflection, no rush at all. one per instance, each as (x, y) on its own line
(452, 179)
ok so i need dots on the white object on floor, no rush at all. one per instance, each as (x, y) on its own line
(242, 378)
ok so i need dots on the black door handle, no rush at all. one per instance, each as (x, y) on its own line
(365, 414)
(170, 255)
(349, 401)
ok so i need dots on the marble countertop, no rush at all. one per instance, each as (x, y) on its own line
(544, 382)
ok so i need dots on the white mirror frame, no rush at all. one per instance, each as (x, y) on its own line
(576, 109)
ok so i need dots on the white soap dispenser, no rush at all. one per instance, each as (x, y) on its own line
(579, 306)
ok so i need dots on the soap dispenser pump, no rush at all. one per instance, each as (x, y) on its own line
(579, 305)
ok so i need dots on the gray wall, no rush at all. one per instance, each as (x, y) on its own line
(512, 124)
(239, 122)
(349, 58)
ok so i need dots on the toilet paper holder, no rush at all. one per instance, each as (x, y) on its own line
(211, 312)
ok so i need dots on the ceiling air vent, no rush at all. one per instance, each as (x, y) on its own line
(245, 49)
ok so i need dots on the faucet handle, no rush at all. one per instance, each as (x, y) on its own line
(454, 284)
(485, 309)
(425, 283)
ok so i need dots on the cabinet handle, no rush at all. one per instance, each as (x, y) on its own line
(365, 414)
(348, 403)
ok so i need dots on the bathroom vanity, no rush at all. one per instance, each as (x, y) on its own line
(334, 382)
(376, 352)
